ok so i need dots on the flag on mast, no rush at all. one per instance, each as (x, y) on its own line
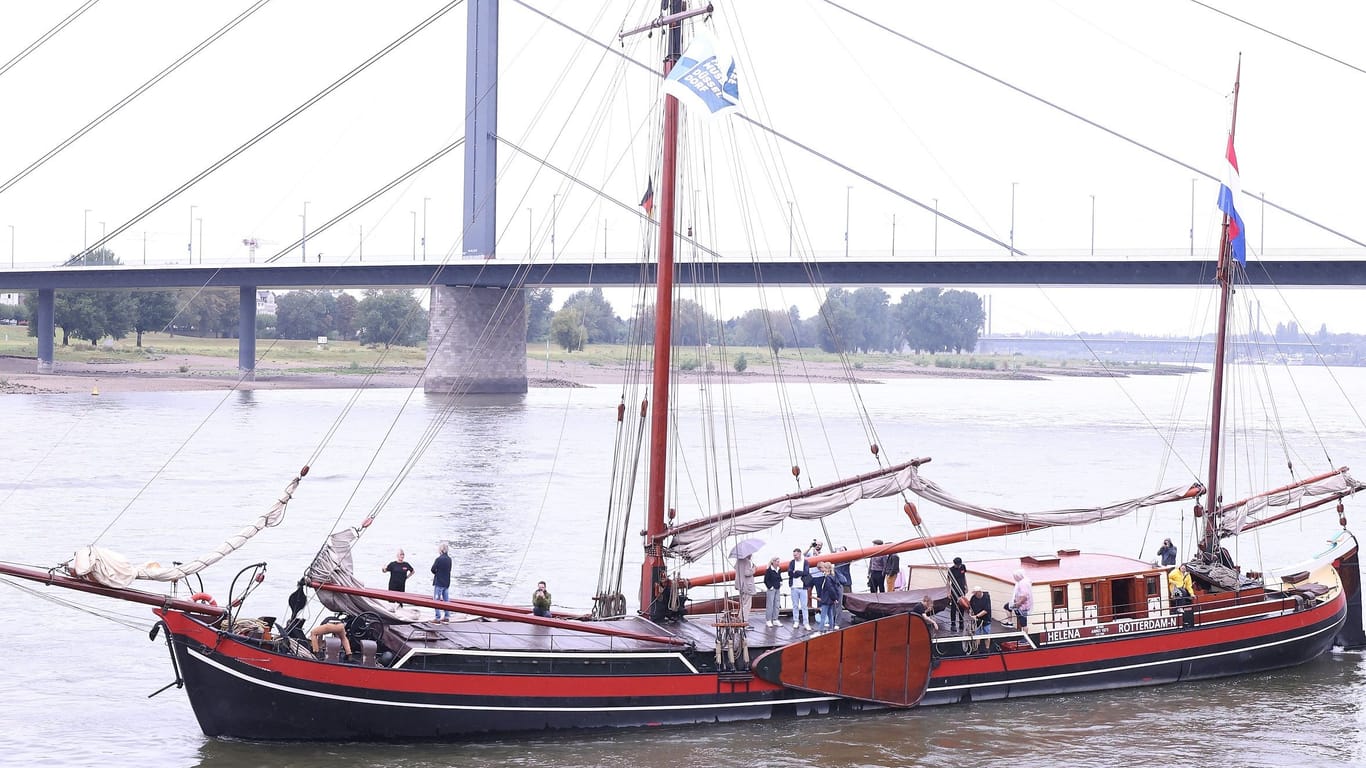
(648, 201)
(704, 77)
(1229, 191)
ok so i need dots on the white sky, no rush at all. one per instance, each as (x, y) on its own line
(1156, 72)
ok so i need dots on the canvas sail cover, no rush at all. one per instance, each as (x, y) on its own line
(1234, 521)
(332, 565)
(691, 543)
(107, 567)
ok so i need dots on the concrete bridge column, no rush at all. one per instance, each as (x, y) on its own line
(476, 341)
(47, 299)
(246, 330)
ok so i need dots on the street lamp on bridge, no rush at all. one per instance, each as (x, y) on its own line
(1012, 217)
(189, 244)
(424, 227)
(303, 238)
(1093, 225)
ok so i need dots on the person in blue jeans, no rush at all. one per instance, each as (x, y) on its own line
(830, 597)
(799, 581)
(441, 581)
(773, 584)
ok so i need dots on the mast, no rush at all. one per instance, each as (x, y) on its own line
(652, 573)
(1224, 277)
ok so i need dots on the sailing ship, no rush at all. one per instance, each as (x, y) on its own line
(1100, 621)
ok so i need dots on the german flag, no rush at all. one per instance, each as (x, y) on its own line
(648, 201)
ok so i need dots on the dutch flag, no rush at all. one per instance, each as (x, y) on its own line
(1229, 191)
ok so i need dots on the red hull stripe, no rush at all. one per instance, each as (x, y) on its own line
(538, 707)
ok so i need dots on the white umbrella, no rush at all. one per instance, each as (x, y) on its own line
(746, 548)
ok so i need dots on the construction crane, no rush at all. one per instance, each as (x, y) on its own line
(252, 243)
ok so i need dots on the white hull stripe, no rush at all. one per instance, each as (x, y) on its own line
(542, 655)
(1125, 667)
(421, 705)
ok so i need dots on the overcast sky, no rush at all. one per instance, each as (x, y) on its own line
(878, 102)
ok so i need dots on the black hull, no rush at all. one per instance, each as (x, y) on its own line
(1261, 653)
(236, 700)
(238, 691)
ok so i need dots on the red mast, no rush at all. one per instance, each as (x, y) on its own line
(1224, 276)
(652, 575)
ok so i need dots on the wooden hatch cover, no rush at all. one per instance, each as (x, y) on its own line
(886, 661)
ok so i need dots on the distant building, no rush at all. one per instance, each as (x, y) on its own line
(265, 302)
(12, 298)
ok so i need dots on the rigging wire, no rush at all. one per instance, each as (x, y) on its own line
(48, 35)
(136, 92)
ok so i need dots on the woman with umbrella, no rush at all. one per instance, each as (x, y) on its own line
(744, 574)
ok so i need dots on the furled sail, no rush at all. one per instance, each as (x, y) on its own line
(692, 540)
(105, 566)
(332, 565)
(931, 491)
(1239, 517)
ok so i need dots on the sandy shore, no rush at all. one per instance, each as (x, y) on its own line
(19, 375)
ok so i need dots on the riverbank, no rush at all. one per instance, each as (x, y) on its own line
(191, 372)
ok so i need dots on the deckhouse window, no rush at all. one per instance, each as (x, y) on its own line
(1059, 593)
(1088, 593)
(1150, 585)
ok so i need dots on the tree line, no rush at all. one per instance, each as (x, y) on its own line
(380, 317)
(863, 320)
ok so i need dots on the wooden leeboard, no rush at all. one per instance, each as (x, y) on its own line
(886, 661)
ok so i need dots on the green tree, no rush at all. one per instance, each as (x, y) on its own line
(538, 314)
(392, 318)
(871, 308)
(92, 315)
(567, 330)
(346, 316)
(152, 311)
(596, 316)
(305, 314)
(839, 329)
(208, 312)
(934, 320)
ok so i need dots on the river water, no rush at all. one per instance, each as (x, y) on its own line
(517, 486)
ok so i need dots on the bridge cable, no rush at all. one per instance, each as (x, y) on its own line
(1281, 37)
(440, 153)
(48, 35)
(268, 130)
(1087, 120)
(126, 100)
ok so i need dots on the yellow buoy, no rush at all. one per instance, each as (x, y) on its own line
(95, 392)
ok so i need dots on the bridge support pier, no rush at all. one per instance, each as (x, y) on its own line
(47, 300)
(246, 330)
(476, 341)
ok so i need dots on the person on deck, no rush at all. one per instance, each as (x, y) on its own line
(1167, 552)
(830, 596)
(398, 571)
(441, 580)
(958, 591)
(744, 585)
(891, 571)
(1182, 593)
(799, 581)
(540, 600)
(842, 571)
(815, 549)
(1022, 600)
(329, 627)
(877, 565)
(773, 585)
(979, 607)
